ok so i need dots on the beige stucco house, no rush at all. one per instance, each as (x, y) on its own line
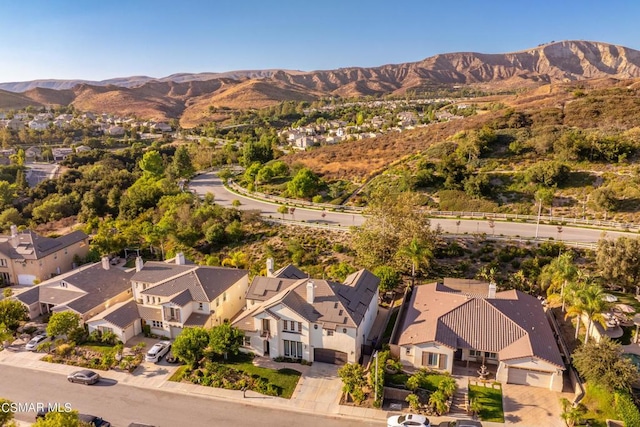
(176, 294)
(309, 319)
(27, 258)
(462, 320)
(88, 291)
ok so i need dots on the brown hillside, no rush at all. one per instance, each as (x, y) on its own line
(10, 100)
(46, 96)
(601, 103)
(562, 62)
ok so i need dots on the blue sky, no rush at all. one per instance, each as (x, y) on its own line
(96, 40)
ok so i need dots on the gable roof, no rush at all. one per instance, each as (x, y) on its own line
(204, 284)
(262, 288)
(512, 324)
(121, 315)
(28, 245)
(156, 271)
(290, 272)
(93, 285)
(334, 304)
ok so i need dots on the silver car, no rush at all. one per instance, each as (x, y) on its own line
(36, 341)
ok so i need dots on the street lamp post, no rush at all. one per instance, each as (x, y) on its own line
(538, 223)
(375, 390)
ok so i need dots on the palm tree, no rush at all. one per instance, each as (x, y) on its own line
(573, 295)
(594, 306)
(418, 253)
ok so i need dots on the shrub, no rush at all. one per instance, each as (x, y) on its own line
(627, 409)
(64, 350)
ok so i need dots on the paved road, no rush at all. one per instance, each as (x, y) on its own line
(38, 172)
(121, 404)
(209, 182)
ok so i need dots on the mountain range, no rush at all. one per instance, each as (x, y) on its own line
(189, 96)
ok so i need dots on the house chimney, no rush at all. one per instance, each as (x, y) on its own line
(180, 258)
(139, 263)
(269, 267)
(492, 290)
(14, 231)
(310, 292)
(105, 262)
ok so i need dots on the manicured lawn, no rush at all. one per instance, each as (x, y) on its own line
(491, 401)
(98, 348)
(178, 374)
(239, 372)
(285, 378)
(599, 402)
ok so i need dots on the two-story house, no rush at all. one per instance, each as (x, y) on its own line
(174, 295)
(314, 320)
(27, 258)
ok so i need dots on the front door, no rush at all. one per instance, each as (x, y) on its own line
(266, 347)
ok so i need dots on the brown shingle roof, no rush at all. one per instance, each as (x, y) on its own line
(263, 288)
(121, 315)
(513, 324)
(29, 245)
(149, 313)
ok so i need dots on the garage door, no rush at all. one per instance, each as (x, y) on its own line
(26, 279)
(529, 377)
(329, 356)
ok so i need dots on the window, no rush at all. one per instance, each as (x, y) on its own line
(224, 297)
(246, 341)
(299, 326)
(147, 299)
(344, 330)
(491, 355)
(217, 302)
(293, 349)
(475, 353)
(5, 278)
(3, 262)
(407, 351)
(329, 333)
(63, 284)
(156, 324)
(200, 306)
(435, 360)
(285, 325)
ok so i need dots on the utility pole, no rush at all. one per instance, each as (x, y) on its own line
(539, 213)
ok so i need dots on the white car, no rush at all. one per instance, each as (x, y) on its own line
(158, 350)
(408, 420)
(35, 342)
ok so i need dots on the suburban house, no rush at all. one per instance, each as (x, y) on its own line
(263, 288)
(176, 294)
(309, 319)
(60, 154)
(88, 291)
(161, 127)
(26, 258)
(461, 320)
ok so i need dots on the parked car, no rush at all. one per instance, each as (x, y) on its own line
(33, 344)
(84, 376)
(171, 358)
(94, 421)
(460, 423)
(408, 420)
(158, 350)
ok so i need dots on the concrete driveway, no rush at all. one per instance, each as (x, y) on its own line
(527, 406)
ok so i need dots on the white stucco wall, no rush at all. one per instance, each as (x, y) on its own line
(414, 355)
(533, 364)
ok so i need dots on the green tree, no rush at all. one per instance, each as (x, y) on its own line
(604, 199)
(190, 345)
(283, 209)
(353, 381)
(61, 419)
(182, 165)
(389, 278)
(5, 334)
(593, 305)
(63, 323)
(392, 221)
(619, 261)
(548, 173)
(6, 416)
(418, 253)
(225, 339)
(12, 312)
(152, 164)
(7, 193)
(304, 184)
(237, 259)
(602, 363)
(558, 273)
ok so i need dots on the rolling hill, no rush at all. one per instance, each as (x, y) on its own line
(188, 96)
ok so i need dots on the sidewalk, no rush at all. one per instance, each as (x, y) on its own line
(317, 392)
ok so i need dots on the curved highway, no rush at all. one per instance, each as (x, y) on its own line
(209, 182)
